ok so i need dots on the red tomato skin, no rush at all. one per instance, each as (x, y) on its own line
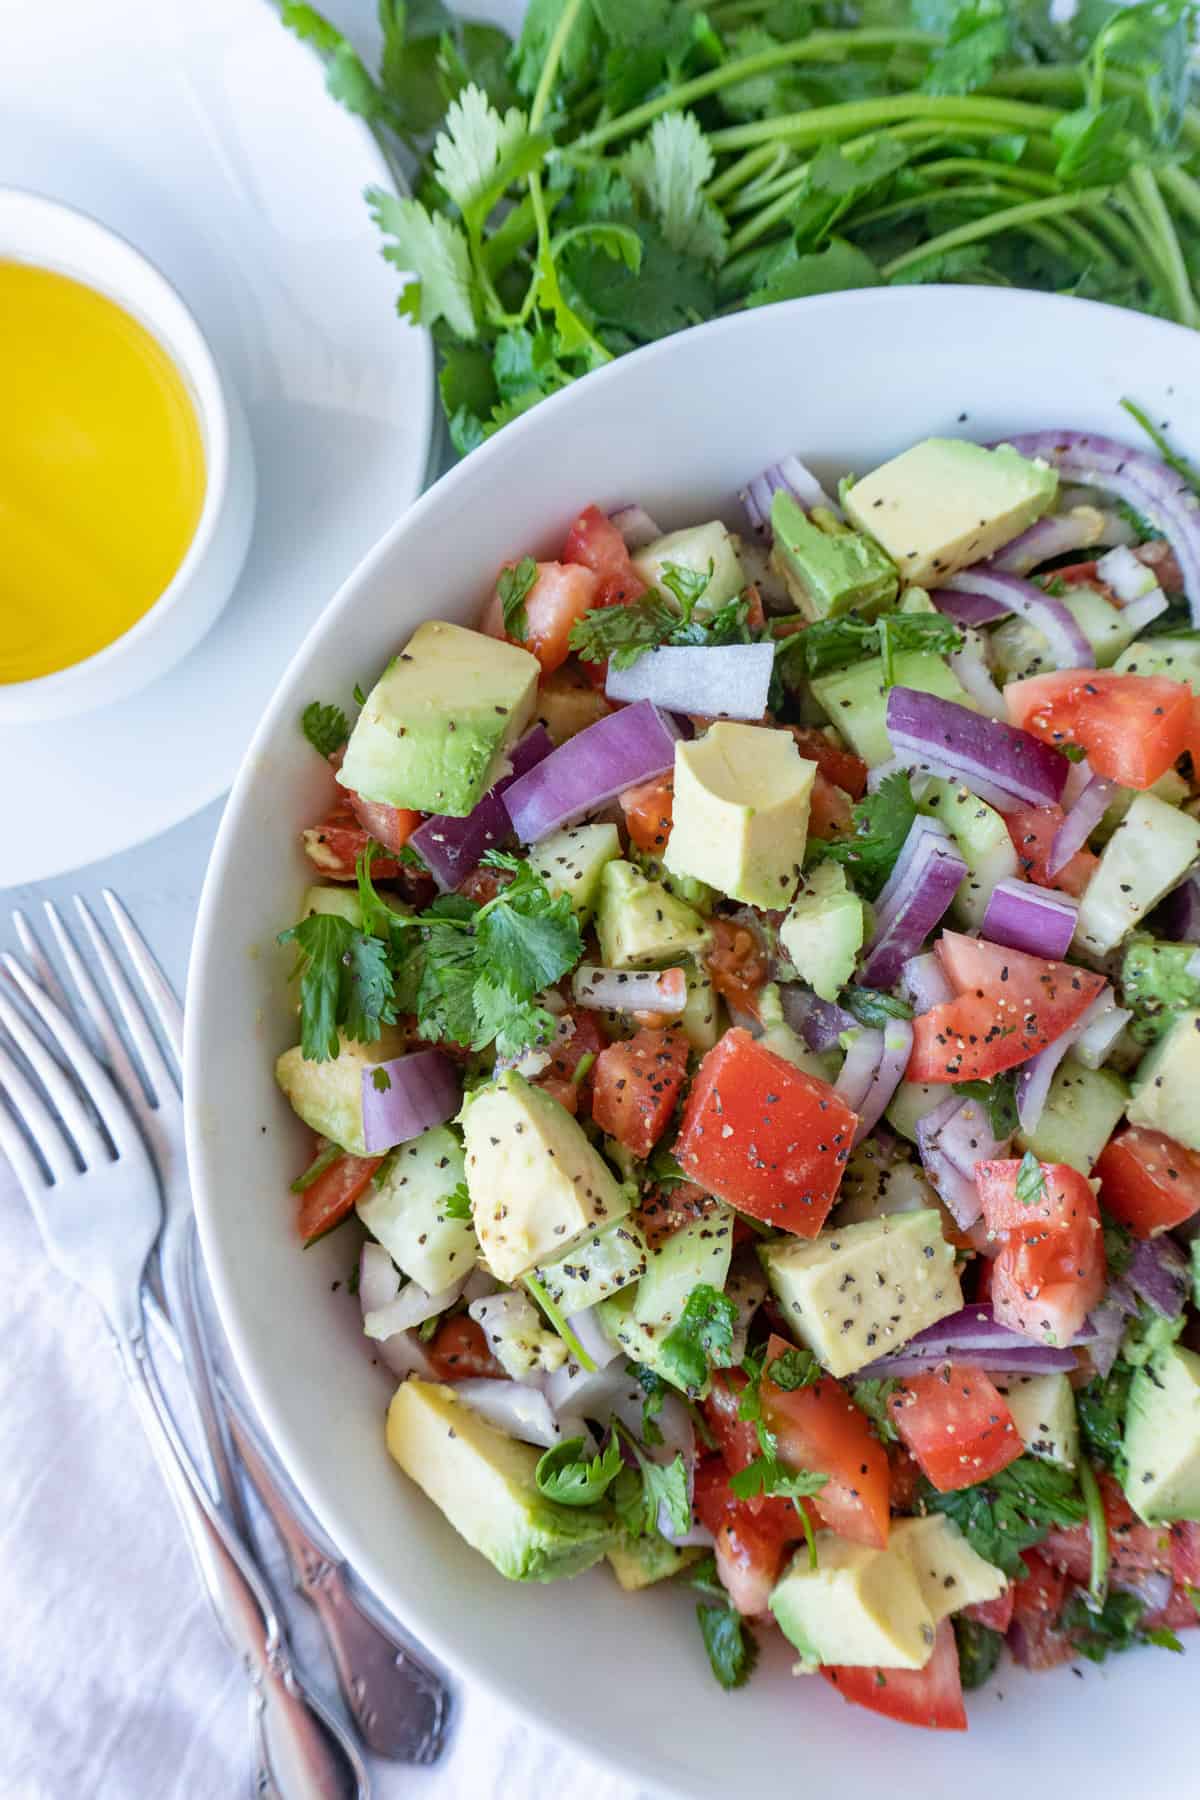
(335, 845)
(649, 813)
(1038, 1599)
(635, 1084)
(737, 963)
(956, 1424)
(559, 597)
(586, 1039)
(1179, 1614)
(837, 765)
(1008, 1006)
(829, 811)
(1032, 830)
(391, 826)
(331, 1197)
(764, 1136)
(1148, 1182)
(996, 1614)
(930, 1697)
(458, 1351)
(1132, 727)
(1051, 1268)
(1185, 1553)
(594, 541)
(1134, 1549)
(819, 1427)
(736, 1438)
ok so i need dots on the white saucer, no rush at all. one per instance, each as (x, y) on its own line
(204, 135)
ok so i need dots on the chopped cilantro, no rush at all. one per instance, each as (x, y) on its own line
(794, 1369)
(513, 587)
(702, 1337)
(639, 1493)
(1031, 1182)
(731, 1645)
(767, 1475)
(457, 1204)
(836, 643)
(325, 727)
(1101, 1407)
(1099, 1632)
(563, 1474)
(688, 586)
(381, 1081)
(621, 634)
(345, 984)
(872, 1008)
(882, 821)
(999, 1096)
(1012, 1511)
(872, 1397)
(979, 1650)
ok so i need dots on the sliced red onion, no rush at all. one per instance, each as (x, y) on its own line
(730, 681)
(1106, 1326)
(636, 527)
(923, 982)
(889, 1073)
(792, 475)
(1161, 1275)
(955, 1189)
(1139, 613)
(1033, 1082)
(926, 878)
(451, 848)
(1078, 775)
(820, 1023)
(1055, 535)
(858, 1071)
(1181, 911)
(975, 677)
(1021, 1357)
(1126, 575)
(1080, 822)
(512, 1407)
(590, 769)
(1068, 645)
(1145, 482)
(629, 990)
(406, 1096)
(591, 1339)
(968, 609)
(1005, 766)
(1026, 917)
(967, 1138)
(411, 1307)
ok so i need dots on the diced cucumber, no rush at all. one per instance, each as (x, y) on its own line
(1080, 1115)
(595, 1267)
(1171, 788)
(981, 835)
(778, 1036)
(406, 1211)
(701, 1019)
(1176, 658)
(878, 1183)
(1151, 850)
(342, 902)
(1019, 649)
(911, 1101)
(855, 699)
(1167, 1083)
(698, 1253)
(698, 548)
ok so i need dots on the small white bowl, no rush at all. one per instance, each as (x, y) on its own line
(51, 236)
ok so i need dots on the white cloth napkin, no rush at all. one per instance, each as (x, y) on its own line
(114, 1681)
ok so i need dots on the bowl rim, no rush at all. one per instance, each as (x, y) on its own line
(192, 356)
(578, 1735)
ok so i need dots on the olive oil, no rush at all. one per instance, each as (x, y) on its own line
(101, 471)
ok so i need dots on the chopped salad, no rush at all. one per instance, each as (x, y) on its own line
(751, 1000)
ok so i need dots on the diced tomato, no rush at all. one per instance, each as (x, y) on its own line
(1133, 727)
(829, 811)
(736, 1438)
(904, 1479)
(1032, 830)
(996, 1614)
(648, 813)
(1148, 1181)
(765, 1136)
(712, 1499)
(458, 1351)
(332, 1195)
(558, 1079)
(335, 846)
(931, 1696)
(594, 541)
(391, 826)
(1179, 1614)
(821, 1429)
(752, 1536)
(841, 767)
(560, 596)
(1185, 1553)
(1051, 1267)
(956, 1424)
(636, 1083)
(1009, 1005)
(736, 961)
(1134, 1549)
(1038, 1599)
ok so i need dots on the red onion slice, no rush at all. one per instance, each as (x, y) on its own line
(1005, 766)
(1035, 919)
(590, 769)
(968, 609)
(889, 1073)
(1181, 911)
(1055, 535)
(820, 1023)
(729, 681)
(973, 1337)
(406, 1096)
(1161, 1275)
(636, 527)
(791, 475)
(1068, 645)
(967, 1138)
(959, 1194)
(858, 1071)
(1080, 822)
(627, 990)
(1023, 1359)
(512, 1407)
(923, 983)
(1033, 1082)
(926, 878)
(451, 848)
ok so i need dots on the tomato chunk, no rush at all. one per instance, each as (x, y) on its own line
(1134, 1549)
(636, 1083)
(560, 595)
(594, 541)
(391, 826)
(335, 846)
(1032, 830)
(458, 1351)
(837, 765)
(821, 1429)
(764, 1136)
(1148, 1181)
(559, 1080)
(737, 963)
(931, 1696)
(736, 1438)
(331, 1197)
(1051, 1268)
(830, 814)
(1133, 727)
(996, 1614)
(648, 813)
(1038, 1599)
(956, 1424)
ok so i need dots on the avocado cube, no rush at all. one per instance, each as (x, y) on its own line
(598, 1265)
(949, 1572)
(640, 1562)
(436, 727)
(700, 1020)
(1162, 1438)
(1080, 1115)
(706, 550)
(828, 572)
(328, 1095)
(855, 699)
(1167, 1084)
(1043, 1410)
(855, 1292)
(944, 504)
(1151, 849)
(823, 931)
(483, 1481)
(858, 1608)
(571, 862)
(536, 1182)
(639, 924)
(742, 795)
(405, 1210)
(695, 1255)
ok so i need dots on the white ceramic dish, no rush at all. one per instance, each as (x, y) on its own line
(52, 236)
(233, 171)
(846, 381)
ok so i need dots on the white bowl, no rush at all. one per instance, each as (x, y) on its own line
(846, 381)
(36, 230)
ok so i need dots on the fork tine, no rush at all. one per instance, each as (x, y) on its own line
(91, 1074)
(39, 962)
(128, 1080)
(166, 1006)
(159, 1079)
(39, 1122)
(63, 1093)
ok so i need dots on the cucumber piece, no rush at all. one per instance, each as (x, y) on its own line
(701, 1020)
(1153, 848)
(641, 1343)
(1080, 1115)
(594, 1268)
(342, 902)
(778, 1037)
(697, 548)
(699, 1252)
(572, 862)
(1019, 649)
(1170, 788)
(855, 699)
(1176, 658)
(1168, 1081)
(911, 1101)
(982, 837)
(876, 1184)
(406, 1211)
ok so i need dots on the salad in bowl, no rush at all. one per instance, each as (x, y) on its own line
(749, 995)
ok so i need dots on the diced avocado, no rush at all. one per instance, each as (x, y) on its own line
(697, 1253)
(641, 1343)
(823, 931)
(741, 812)
(857, 1291)
(1019, 649)
(911, 1101)
(517, 1336)
(640, 1562)
(568, 702)
(1080, 1115)
(855, 699)
(778, 1036)
(484, 1483)
(944, 504)
(639, 924)
(342, 902)
(696, 894)
(571, 862)
(857, 1608)
(1152, 848)
(1176, 658)
(1162, 1438)
(828, 572)
(328, 1095)
(536, 1182)
(879, 1182)
(1166, 1088)
(697, 548)
(598, 1265)
(1155, 979)
(983, 839)
(406, 1210)
(436, 727)
(1043, 1410)
(949, 1572)
(700, 1020)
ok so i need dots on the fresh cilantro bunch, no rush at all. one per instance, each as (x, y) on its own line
(882, 821)
(1013, 1510)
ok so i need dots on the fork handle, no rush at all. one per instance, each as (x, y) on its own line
(299, 1756)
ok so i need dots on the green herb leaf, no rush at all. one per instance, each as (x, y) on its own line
(767, 1475)
(979, 1650)
(688, 586)
(831, 644)
(345, 982)
(1101, 1407)
(731, 1645)
(1092, 144)
(564, 1475)
(479, 153)
(1012, 1511)
(833, 270)
(701, 1337)
(1098, 1634)
(1031, 1182)
(325, 727)
(882, 821)
(872, 1397)
(653, 1485)
(978, 41)
(670, 168)
(872, 1008)
(513, 588)
(794, 1369)
(457, 1204)
(434, 249)
(999, 1096)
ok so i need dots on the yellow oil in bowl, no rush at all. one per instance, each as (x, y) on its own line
(101, 471)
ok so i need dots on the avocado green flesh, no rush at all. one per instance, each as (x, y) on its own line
(1162, 1438)
(1166, 1087)
(639, 923)
(832, 572)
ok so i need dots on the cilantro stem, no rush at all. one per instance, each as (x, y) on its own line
(1152, 208)
(1070, 83)
(1184, 190)
(1008, 220)
(559, 1324)
(1098, 1526)
(821, 122)
(809, 1538)
(741, 173)
(1180, 464)
(554, 54)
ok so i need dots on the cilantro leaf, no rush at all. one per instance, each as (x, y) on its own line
(1092, 144)
(871, 1397)
(732, 1647)
(667, 291)
(882, 821)
(767, 1475)
(478, 154)
(836, 268)
(513, 588)
(702, 1335)
(457, 1204)
(345, 982)
(999, 1096)
(1101, 1407)
(654, 1390)
(541, 22)
(688, 586)
(978, 40)
(325, 727)
(528, 937)
(640, 1493)
(1031, 1182)
(670, 167)
(793, 1369)
(836, 643)
(979, 1650)
(434, 251)
(1114, 1627)
(1012, 1511)
(623, 633)
(872, 1008)
(564, 1475)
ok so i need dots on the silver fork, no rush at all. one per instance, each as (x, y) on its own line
(95, 1198)
(400, 1706)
